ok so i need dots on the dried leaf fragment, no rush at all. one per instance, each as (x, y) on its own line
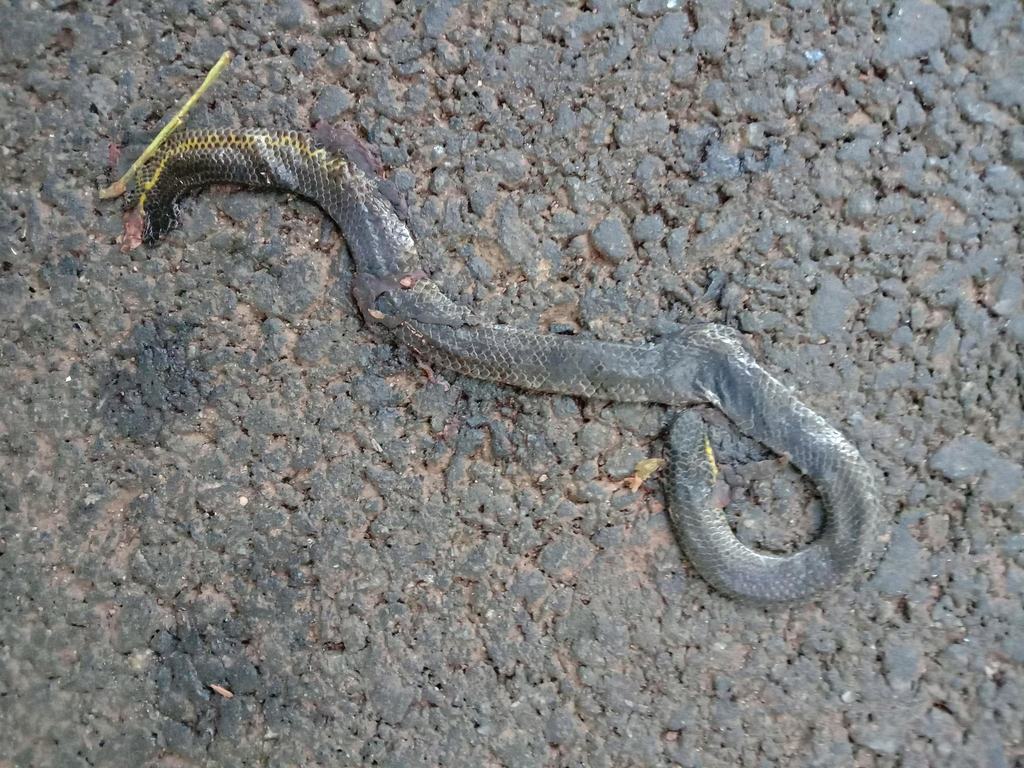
(643, 470)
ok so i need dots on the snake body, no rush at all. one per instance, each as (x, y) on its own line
(704, 363)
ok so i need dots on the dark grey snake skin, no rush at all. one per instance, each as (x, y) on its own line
(705, 363)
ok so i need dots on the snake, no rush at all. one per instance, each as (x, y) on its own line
(704, 363)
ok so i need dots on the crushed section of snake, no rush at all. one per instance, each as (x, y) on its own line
(704, 363)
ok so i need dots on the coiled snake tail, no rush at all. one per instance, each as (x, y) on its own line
(763, 408)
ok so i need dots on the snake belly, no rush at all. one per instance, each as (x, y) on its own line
(704, 363)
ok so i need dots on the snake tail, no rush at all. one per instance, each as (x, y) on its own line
(766, 410)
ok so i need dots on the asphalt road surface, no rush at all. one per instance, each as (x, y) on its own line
(213, 474)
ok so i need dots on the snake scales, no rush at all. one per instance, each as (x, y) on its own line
(704, 363)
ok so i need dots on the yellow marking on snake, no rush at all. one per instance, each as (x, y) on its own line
(709, 453)
(199, 141)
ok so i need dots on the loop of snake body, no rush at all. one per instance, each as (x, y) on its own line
(704, 363)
